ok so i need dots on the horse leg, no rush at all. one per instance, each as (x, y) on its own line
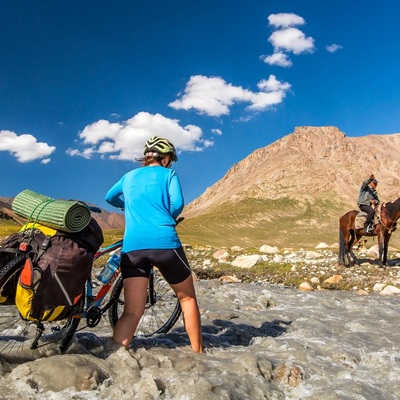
(353, 239)
(385, 248)
(382, 250)
(343, 247)
(346, 250)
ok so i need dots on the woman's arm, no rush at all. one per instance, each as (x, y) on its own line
(176, 200)
(113, 196)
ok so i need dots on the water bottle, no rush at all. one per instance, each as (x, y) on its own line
(111, 265)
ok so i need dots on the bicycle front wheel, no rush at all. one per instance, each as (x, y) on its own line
(162, 307)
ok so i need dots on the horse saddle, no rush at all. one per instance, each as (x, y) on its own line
(362, 216)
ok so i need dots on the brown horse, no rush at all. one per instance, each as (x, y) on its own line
(349, 235)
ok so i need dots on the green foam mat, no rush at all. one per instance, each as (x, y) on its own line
(64, 215)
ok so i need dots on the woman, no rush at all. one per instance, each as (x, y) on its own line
(152, 200)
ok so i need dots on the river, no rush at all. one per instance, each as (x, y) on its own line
(262, 342)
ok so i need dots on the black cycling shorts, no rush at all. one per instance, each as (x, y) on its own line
(172, 264)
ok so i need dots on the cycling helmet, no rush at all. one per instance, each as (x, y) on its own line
(160, 146)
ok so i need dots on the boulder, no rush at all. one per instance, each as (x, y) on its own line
(229, 279)
(269, 249)
(378, 287)
(334, 279)
(246, 261)
(305, 287)
(313, 254)
(221, 255)
(236, 249)
(373, 251)
(390, 290)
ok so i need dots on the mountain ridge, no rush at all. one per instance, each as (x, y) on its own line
(309, 177)
(301, 149)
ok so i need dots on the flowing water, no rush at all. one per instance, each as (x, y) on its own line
(262, 342)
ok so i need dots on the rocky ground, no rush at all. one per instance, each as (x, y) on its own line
(307, 270)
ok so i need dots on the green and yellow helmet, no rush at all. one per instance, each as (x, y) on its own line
(161, 146)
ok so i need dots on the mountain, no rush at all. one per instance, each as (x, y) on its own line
(289, 194)
(106, 219)
(109, 220)
(292, 192)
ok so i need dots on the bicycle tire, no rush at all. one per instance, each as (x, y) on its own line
(9, 275)
(11, 326)
(69, 331)
(18, 335)
(159, 317)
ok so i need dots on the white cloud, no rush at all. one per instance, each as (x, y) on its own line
(216, 131)
(291, 40)
(125, 140)
(208, 95)
(283, 20)
(271, 92)
(213, 96)
(25, 147)
(273, 85)
(86, 153)
(98, 131)
(333, 47)
(280, 59)
(287, 39)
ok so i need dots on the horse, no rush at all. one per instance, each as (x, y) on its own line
(349, 235)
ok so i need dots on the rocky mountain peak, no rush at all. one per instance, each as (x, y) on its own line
(312, 162)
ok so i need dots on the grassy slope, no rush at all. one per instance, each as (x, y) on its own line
(7, 227)
(253, 222)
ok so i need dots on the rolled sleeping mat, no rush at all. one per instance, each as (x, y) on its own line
(64, 215)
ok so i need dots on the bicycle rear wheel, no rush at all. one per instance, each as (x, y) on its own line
(162, 307)
(18, 335)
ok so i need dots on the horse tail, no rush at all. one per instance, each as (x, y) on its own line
(342, 249)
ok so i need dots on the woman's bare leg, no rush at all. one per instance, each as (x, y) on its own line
(135, 292)
(191, 315)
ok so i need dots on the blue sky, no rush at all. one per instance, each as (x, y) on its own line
(84, 83)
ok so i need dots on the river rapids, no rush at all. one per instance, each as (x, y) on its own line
(262, 342)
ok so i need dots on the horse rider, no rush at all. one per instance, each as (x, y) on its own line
(368, 200)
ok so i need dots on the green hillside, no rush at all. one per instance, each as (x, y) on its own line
(7, 227)
(252, 222)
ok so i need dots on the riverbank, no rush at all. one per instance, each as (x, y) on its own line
(304, 269)
(307, 270)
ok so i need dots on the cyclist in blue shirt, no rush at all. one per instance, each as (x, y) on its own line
(152, 199)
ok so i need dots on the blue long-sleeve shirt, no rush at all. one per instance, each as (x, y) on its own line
(152, 199)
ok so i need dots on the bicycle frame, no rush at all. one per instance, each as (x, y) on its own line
(94, 302)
